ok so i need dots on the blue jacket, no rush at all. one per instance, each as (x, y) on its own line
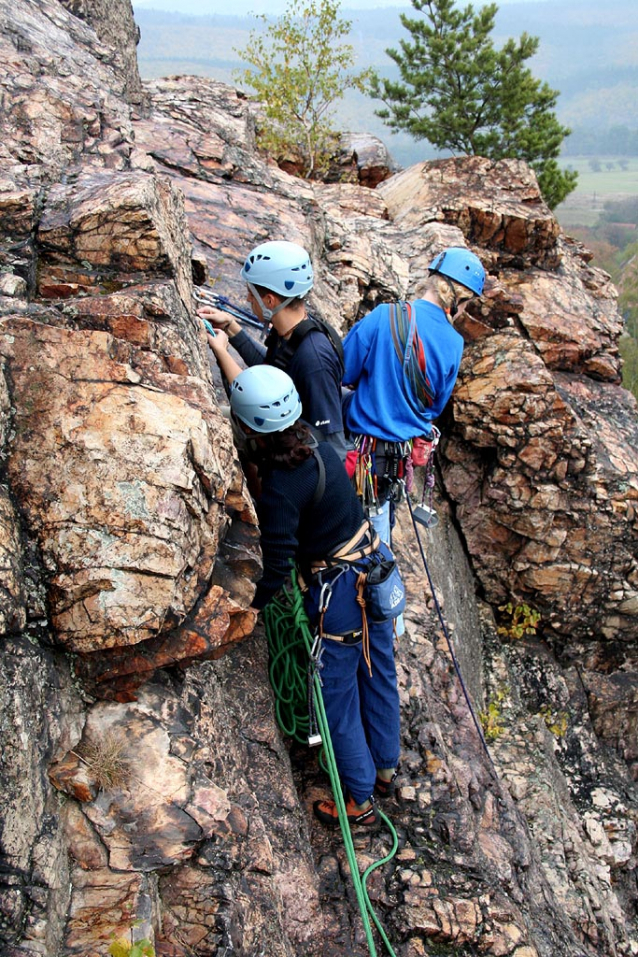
(378, 406)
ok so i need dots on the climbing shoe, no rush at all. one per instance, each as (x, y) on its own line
(385, 788)
(328, 814)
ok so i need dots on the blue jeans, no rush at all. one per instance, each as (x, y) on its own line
(362, 710)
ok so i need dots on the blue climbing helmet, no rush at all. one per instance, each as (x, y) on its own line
(282, 267)
(265, 399)
(462, 266)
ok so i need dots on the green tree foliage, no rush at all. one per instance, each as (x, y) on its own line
(142, 948)
(615, 247)
(461, 94)
(299, 69)
(628, 302)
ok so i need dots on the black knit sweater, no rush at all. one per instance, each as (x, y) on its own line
(292, 527)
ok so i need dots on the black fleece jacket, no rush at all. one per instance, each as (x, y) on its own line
(292, 527)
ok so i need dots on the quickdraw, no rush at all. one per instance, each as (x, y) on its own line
(209, 298)
(393, 482)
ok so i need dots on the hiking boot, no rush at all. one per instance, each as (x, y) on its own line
(386, 788)
(328, 814)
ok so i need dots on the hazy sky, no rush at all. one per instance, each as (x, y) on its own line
(210, 7)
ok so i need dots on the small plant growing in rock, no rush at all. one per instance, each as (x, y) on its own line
(492, 718)
(300, 68)
(141, 948)
(107, 760)
(557, 721)
(519, 620)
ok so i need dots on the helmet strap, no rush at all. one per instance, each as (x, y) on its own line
(267, 313)
(454, 308)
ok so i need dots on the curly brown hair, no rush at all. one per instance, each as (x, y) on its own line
(286, 449)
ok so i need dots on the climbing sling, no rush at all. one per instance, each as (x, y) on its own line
(411, 355)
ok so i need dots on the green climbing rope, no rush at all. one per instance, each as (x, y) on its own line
(298, 707)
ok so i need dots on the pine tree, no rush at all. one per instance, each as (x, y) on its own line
(461, 94)
(299, 69)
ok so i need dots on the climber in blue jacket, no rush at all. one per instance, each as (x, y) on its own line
(401, 361)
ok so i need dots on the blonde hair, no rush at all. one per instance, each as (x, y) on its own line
(443, 289)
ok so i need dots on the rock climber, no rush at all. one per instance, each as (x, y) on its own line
(402, 364)
(308, 512)
(279, 276)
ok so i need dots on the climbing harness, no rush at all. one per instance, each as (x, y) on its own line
(327, 571)
(295, 674)
(379, 470)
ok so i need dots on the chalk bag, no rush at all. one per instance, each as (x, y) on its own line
(384, 591)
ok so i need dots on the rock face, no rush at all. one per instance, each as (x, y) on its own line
(146, 790)
(115, 26)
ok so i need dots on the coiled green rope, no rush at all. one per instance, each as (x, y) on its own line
(290, 643)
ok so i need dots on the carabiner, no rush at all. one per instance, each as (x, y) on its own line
(326, 589)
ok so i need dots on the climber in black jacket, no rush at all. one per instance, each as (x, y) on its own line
(309, 513)
(279, 277)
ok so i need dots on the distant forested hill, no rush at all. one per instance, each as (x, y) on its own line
(588, 50)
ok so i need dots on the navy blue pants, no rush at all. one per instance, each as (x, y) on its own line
(362, 710)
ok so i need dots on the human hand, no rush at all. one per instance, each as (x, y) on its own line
(219, 342)
(217, 318)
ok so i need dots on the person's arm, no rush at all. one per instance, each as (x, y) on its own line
(218, 319)
(253, 353)
(278, 523)
(218, 345)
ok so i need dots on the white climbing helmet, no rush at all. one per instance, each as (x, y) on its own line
(265, 399)
(281, 267)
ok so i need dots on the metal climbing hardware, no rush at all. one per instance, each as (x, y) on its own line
(314, 677)
(209, 298)
(426, 516)
(379, 470)
(424, 513)
(326, 590)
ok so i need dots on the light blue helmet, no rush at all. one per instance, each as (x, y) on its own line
(265, 399)
(462, 266)
(282, 267)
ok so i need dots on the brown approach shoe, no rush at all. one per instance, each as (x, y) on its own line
(328, 813)
(386, 789)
